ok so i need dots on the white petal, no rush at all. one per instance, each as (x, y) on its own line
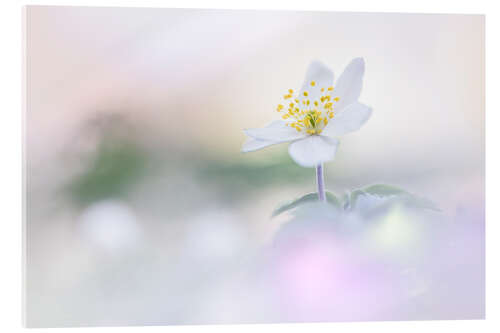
(349, 84)
(254, 144)
(322, 77)
(313, 150)
(350, 119)
(277, 131)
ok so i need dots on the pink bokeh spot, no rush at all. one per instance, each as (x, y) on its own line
(321, 276)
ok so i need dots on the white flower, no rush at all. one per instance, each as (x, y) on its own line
(314, 118)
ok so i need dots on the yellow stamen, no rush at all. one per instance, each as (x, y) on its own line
(312, 115)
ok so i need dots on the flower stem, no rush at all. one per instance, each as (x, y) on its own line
(320, 182)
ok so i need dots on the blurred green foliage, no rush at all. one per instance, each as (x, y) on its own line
(116, 166)
(242, 176)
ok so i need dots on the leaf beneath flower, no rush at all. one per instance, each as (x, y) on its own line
(389, 192)
(308, 198)
(332, 199)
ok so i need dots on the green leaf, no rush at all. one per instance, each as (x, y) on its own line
(345, 200)
(332, 199)
(310, 197)
(384, 190)
(354, 197)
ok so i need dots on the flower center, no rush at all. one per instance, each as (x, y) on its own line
(306, 114)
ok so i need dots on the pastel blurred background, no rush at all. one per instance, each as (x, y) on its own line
(141, 210)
